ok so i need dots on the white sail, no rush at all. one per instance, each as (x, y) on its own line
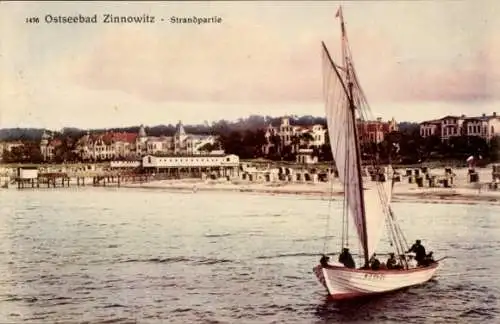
(368, 202)
(377, 199)
(342, 140)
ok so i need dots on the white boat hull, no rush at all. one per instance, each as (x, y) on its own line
(344, 283)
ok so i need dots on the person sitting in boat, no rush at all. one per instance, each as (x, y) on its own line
(374, 262)
(324, 261)
(419, 251)
(412, 263)
(429, 259)
(346, 259)
(391, 262)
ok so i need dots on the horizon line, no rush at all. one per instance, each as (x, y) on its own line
(209, 122)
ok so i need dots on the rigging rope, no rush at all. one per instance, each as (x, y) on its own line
(359, 99)
(327, 84)
(364, 110)
(345, 216)
(325, 245)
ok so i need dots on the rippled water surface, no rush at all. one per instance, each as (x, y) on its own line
(107, 255)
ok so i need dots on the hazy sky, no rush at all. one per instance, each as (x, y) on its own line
(416, 60)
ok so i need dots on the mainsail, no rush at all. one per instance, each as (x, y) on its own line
(366, 204)
(341, 131)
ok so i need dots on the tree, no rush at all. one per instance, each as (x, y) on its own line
(295, 143)
(233, 144)
(288, 154)
(432, 144)
(33, 153)
(254, 141)
(10, 156)
(275, 149)
(29, 152)
(208, 147)
(65, 152)
(478, 146)
(306, 139)
(494, 149)
(325, 153)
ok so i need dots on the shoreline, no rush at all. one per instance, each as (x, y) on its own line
(455, 195)
(470, 196)
(461, 192)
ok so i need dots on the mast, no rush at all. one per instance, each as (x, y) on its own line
(347, 66)
(349, 92)
(360, 178)
(343, 108)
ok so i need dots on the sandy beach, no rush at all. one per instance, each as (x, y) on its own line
(461, 192)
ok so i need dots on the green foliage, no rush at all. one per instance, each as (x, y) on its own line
(246, 138)
(29, 152)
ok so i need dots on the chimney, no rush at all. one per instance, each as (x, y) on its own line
(494, 114)
(463, 116)
(484, 115)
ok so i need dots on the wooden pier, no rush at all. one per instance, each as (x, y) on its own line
(118, 179)
(64, 180)
(49, 180)
(35, 178)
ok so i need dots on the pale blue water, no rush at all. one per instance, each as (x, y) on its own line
(129, 255)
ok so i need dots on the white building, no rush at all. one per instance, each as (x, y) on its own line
(450, 126)
(295, 136)
(305, 156)
(105, 146)
(112, 145)
(430, 128)
(203, 161)
(224, 165)
(181, 143)
(125, 164)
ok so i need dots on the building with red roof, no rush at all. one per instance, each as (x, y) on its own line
(126, 145)
(376, 130)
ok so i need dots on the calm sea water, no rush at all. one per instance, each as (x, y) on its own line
(131, 255)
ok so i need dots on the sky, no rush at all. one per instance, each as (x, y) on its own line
(416, 61)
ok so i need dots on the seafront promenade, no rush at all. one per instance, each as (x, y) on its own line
(462, 191)
(457, 188)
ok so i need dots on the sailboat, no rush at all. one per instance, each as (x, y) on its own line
(366, 201)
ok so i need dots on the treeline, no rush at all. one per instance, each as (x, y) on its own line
(221, 127)
(246, 138)
(411, 148)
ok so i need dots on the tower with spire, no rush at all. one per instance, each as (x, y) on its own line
(142, 133)
(140, 142)
(179, 138)
(44, 143)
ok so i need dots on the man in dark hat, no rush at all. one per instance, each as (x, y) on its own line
(419, 251)
(346, 259)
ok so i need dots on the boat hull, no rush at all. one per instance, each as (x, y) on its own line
(344, 283)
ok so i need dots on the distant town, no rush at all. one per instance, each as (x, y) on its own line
(302, 140)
